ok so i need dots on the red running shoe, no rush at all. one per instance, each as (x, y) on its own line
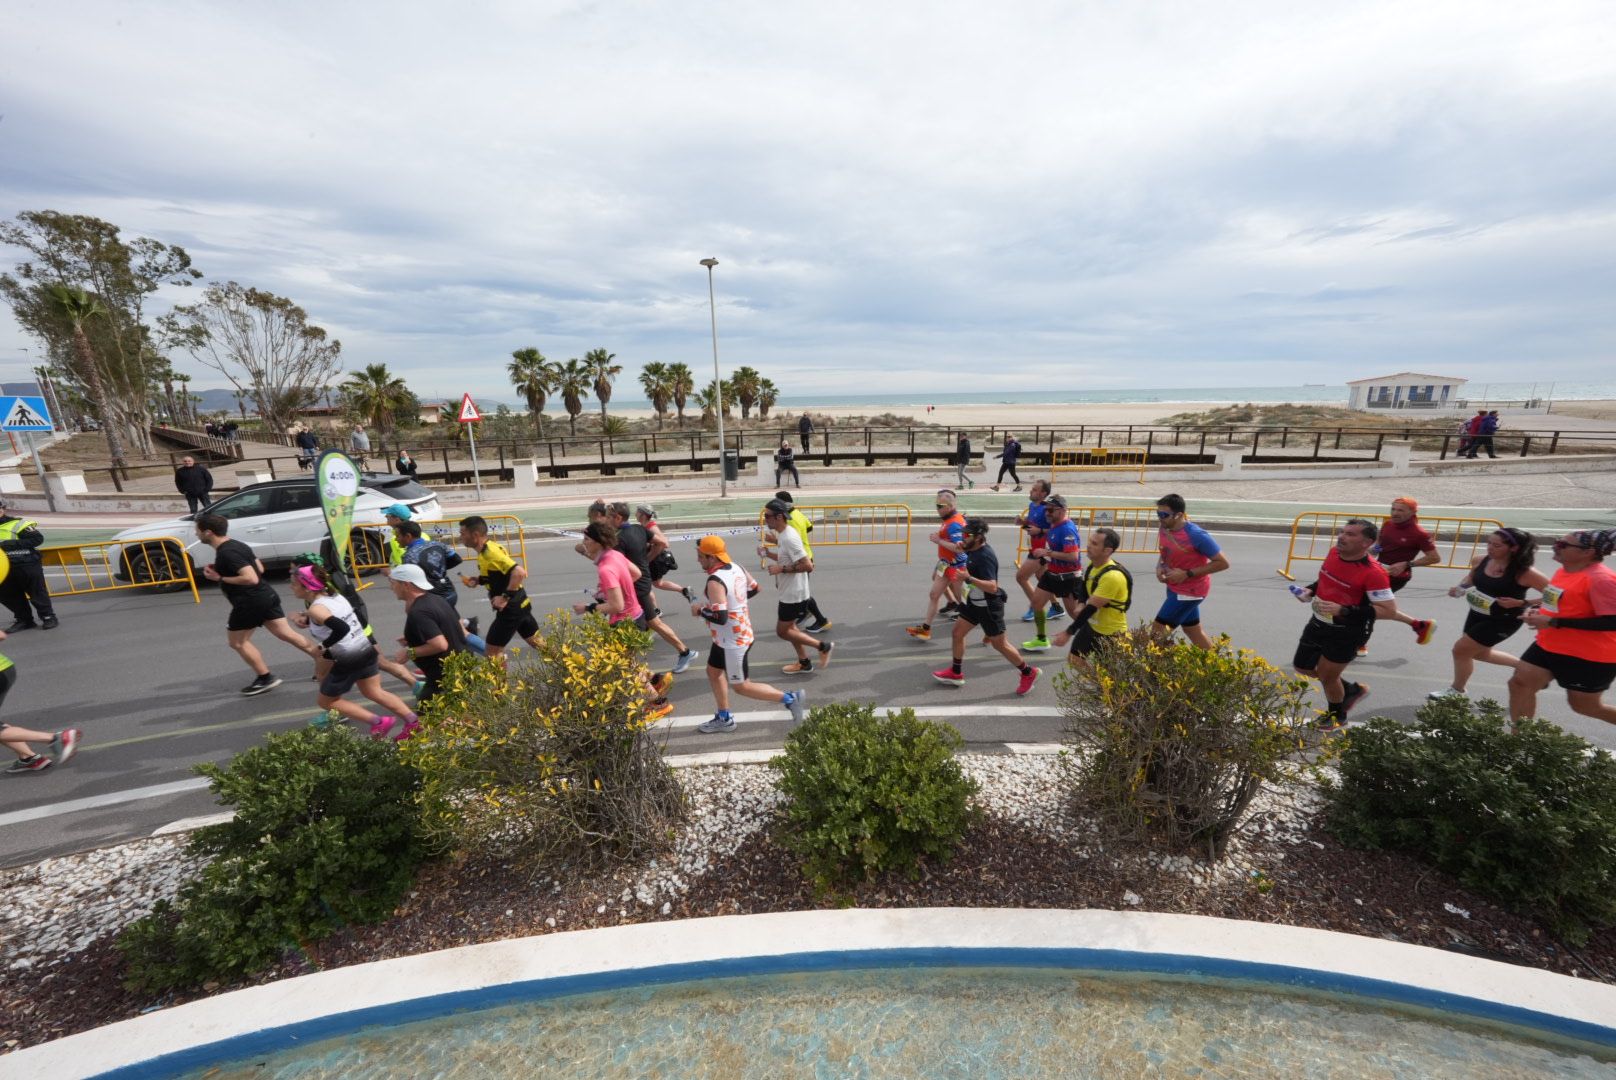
(1424, 630)
(948, 677)
(1024, 687)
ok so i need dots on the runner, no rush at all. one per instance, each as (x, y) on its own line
(346, 590)
(804, 527)
(395, 516)
(790, 564)
(252, 602)
(348, 658)
(1350, 592)
(984, 607)
(1034, 521)
(437, 559)
(1189, 557)
(1402, 546)
(723, 606)
(617, 582)
(1576, 631)
(662, 562)
(1061, 562)
(634, 543)
(63, 744)
(1495, 588)
(1108, 589)
(503, 576)
(431, 628)
(950, 563)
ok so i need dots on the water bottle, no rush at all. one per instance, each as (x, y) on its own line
(1299, 592)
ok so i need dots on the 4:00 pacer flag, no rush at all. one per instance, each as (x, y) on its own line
(337, 478)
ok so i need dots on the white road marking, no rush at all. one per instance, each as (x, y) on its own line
(95, 802)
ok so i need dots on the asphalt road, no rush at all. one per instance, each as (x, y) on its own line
(150, 679)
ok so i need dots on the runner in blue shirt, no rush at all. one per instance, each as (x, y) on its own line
(1189, 557)
(1035, 523)
(1062, 577)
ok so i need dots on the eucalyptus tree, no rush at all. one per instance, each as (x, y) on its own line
(534, 378)
(78, 308)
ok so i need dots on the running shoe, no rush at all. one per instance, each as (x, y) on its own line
(720, 723)
(65, 744)
(260, 685)
(381, 726)
(948, 608)
(919, 633)
(1024, 687)
(1027, 616)
(419, 688)
(657, 712)
(326, 720)
(1055, 612)
(819, 627)
(682, 665)
(825, 649)
(1016, 488)
(1363, 650)
(948, 677)
(661, 681)
(1443, 695)
(1424, 630)
(34, 764)
(685, 592)
(1330, 721)
(410, 727)
(472, 624)
(1037, 644)
(797, 702)
(797, 667)
(1356, 692)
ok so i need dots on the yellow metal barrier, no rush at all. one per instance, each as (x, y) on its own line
(1137, 525)
(504, 529)
(1458, 540)
(1099, 459)
(851, 524)
(127, 564)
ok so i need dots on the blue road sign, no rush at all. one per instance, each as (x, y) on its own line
(24, 414)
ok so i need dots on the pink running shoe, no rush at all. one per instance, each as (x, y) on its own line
(948, 677)
(1026, 684)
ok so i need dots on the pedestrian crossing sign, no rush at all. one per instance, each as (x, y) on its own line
(468, 411)
(24, 414)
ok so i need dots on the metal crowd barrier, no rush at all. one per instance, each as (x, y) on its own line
(1458, 540)
(1137, 525)
(1098, 459)
(127, 564)
(852, 524)
(505, 529)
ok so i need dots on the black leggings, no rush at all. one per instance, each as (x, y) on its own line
(1008, 467)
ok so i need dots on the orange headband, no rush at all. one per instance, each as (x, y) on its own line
(1410, 503)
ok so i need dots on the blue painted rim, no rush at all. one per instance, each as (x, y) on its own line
(1107, 961)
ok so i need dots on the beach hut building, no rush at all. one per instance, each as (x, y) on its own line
(1405, 390)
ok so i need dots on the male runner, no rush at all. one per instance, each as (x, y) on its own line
(790, 564)
(723, 606)
(984, 607)
(1189, 557)
(1035, 523)
(1062, 566)
(437, 559)
(431, 627)
(634, 543)
(1351, 591)
(252, 602)
(1108, 589)
(804, 527)
(660, 552)
(950, 567)
(503, 576)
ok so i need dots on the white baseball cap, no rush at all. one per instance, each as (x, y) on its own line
(410, 574)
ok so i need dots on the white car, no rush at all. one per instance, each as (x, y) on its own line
(279, 520)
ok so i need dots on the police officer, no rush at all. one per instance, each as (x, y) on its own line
(20, 540)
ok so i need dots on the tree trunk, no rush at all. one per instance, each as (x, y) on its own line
(92, 375)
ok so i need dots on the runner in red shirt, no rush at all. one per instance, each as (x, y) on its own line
(1403, 545)
(1351, 591)
(1576, 631)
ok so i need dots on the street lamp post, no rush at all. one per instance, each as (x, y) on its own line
(718, 383)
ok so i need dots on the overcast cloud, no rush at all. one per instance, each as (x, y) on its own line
(1080, 195)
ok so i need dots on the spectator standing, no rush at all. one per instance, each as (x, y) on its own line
(962, 461)
(785, 461)
(1483, 438)
(194, 482)
(1008, 456)
(805, 430)
(20, 539)
(359, 443)
(308, 448)
(405, 465)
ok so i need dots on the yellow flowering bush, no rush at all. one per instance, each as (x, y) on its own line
(1172, 742)
(554, 756)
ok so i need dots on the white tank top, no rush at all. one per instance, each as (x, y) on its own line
(736, 632)
(354, 642)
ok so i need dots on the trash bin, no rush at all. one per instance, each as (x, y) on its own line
(732, 464)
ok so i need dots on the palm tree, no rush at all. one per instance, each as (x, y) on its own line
(768, 394)
(745, 382)
(78, 307)
(534, 378)
(377, 395)
(681, 384)
(185, 398)
(658, 387)
(704, 398)
(604, 371)
(572, 383)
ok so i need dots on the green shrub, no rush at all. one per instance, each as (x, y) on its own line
(1171, 742)
(325, 834)
(867, 794)
(1527, 817)
(553, 757)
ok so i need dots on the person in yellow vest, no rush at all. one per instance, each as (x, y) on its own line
(20, 539)
(395, 516)
(63, 744)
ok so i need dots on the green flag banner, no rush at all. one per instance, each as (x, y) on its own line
(338, 480)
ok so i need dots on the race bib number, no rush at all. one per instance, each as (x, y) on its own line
(1479, 601)
(1551, 599)
(1188, 599)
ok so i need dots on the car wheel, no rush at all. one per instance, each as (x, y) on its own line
(160, 563)
(369, 552)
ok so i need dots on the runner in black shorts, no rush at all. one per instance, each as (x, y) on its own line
(1495, 590)
(503, 576)
(1576, 631)
(984, 607)
(634, 542)
(63, 744)
(252, 602)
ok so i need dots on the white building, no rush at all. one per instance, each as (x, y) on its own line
(1405, 390)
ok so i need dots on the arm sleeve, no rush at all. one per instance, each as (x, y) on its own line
(1596, 622)
(337, 626)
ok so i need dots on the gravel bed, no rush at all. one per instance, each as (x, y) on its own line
(1030, 850)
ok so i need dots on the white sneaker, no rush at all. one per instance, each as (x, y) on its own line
(1442, 695)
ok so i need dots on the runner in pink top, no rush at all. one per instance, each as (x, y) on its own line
(617, 575)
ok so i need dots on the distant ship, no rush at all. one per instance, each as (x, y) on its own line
(1309, 385)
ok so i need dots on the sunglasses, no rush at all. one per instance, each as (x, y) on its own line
(1561, 545)
(1164, 514)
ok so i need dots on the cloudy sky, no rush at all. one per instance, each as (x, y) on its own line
(1071, 194)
